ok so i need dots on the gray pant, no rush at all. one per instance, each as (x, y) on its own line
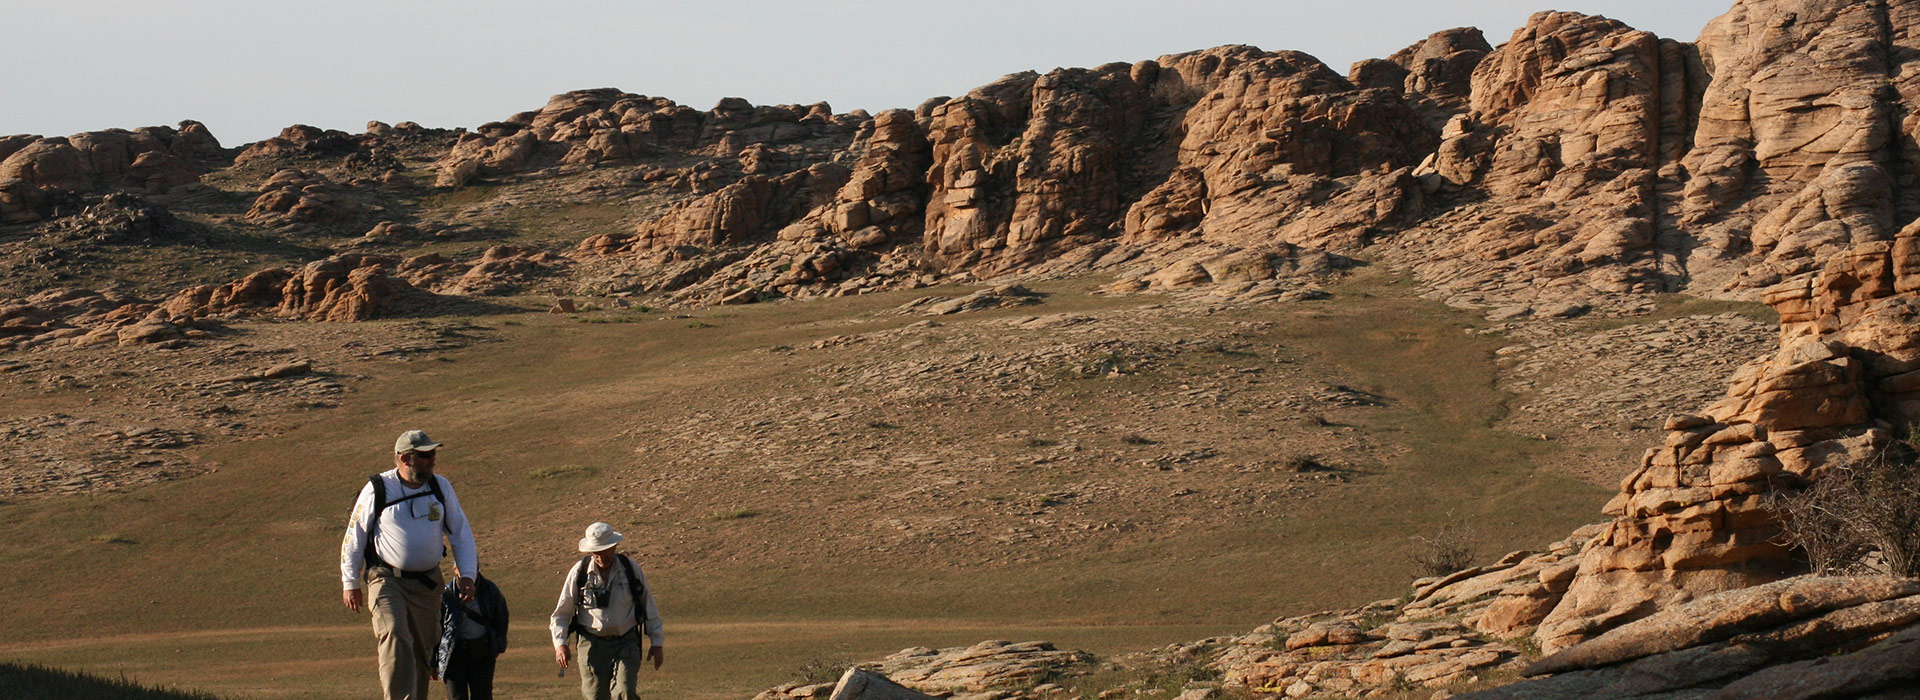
(609, 666)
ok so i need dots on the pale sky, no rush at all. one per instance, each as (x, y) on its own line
(249, 68)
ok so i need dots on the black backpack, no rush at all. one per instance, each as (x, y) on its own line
(633, 583)
(380, 505)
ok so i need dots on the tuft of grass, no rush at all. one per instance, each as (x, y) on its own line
(821, 669)
(1137, 439)
(460, 198)
(1041, 442)
(561, 471)
(35, 682)
(699, 324)
(737, 514)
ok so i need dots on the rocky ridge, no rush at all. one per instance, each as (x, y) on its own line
(1581, 163)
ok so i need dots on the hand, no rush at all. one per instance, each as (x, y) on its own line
(562, 655)
(466, 589)
(658, 655)
(352, 598)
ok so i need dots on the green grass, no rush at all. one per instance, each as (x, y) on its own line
(559, 392)
(35, 682)
(1672, 306)
(461, 197)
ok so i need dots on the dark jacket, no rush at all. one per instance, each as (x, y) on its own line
(492, 608)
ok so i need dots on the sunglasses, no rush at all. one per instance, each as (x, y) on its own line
(421, 456)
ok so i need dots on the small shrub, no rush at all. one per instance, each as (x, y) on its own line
(1137, 439)
(736, 514)
(1444, 552)
(1041, 442)
(1858, 518)
(699, 324)
(1306, 463)
(822, 669)
(881, 425)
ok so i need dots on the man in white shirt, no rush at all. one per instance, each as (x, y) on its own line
(394, 544)
(606, 603)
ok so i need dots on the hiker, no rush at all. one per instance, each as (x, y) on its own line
(606, 603)
(394, 543)
(473, 633)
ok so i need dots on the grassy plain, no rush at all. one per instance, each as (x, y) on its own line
(228, 582)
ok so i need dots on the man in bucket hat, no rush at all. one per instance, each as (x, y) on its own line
(394, 545)
(606, 603)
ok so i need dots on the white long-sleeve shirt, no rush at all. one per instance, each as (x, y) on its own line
(612, 621)
(410, 533)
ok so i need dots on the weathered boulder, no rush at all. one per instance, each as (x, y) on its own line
(861, 684)
(300, 196)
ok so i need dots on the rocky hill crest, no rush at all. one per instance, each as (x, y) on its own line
(1580, 167)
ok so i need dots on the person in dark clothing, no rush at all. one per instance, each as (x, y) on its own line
(472, 635)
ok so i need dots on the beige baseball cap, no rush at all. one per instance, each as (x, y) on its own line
(414, 441)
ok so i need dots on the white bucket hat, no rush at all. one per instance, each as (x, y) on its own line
(414, 441)
(600, 536)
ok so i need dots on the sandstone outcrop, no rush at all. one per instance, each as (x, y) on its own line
(148, 159)
(299, 140)
(498, 270)
(584, 127)
(1692, 520)
(1801, 638)
(339, 288)
(298, 196)
(69, 317)
(985, 670)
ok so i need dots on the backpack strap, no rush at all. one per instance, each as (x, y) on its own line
(639, 593)
(634, 586)
(380, 504)
(579, 596)
(580, 583)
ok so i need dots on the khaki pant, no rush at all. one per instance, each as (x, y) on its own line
(609, 667)
(406, 628)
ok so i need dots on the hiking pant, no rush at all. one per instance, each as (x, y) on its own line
(470, 670)
(406, 628)
(609, 666)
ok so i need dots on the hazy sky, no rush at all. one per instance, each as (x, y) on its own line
(249, 68)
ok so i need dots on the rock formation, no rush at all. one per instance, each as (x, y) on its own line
(584, 127)
(148, 159)
(340, 288)
(297, 196)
